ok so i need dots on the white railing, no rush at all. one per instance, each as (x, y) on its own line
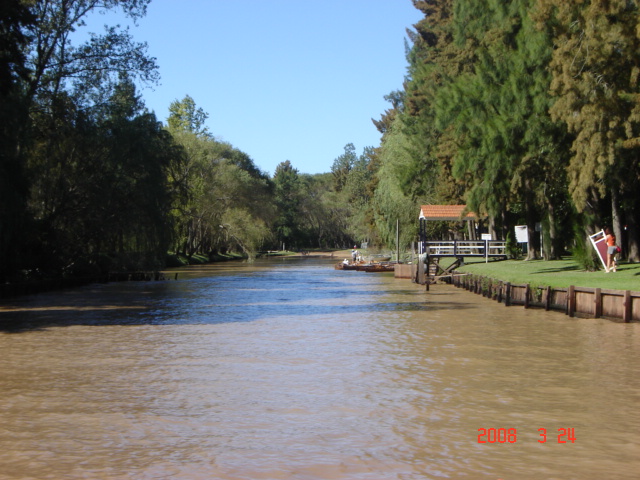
(465, 248)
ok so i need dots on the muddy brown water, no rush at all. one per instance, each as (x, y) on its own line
(288, 369)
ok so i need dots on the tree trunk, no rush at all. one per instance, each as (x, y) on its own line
(534, 241)
(531, 215)
(492, 228)
(616, 221)
(471, 229)
(633, 239)
(553, 248)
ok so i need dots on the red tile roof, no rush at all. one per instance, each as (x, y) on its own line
(445, 212)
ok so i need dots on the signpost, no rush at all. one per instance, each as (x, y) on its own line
(486, 237)
(599, 242)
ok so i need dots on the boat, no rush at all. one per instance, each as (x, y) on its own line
(377, 267)
(346, 266)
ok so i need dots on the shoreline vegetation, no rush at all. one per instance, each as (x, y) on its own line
(30, 286)
(93, 183)
(538, 273)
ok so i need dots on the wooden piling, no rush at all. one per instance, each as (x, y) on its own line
(597, 303)
(547, 298)
(574, 301)
(626, 314)
(571, 301)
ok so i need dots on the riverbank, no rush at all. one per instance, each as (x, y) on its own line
(553, 285)
(556, 273)
(557, 285)
(172, 261)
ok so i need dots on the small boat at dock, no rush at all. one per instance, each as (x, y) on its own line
(366, 266)
(377, 267)
(346, 266)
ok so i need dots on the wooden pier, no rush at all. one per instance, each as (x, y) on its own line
(458, 249)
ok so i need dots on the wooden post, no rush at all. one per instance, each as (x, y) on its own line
(547, 300)
(507, 298)
(571, 300)
(527, 291)
(597, 300)
(500, 287)
(398, 240)
(627, 312)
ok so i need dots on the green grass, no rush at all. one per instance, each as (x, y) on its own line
(557, 273)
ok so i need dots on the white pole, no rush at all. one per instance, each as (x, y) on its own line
(398, 240)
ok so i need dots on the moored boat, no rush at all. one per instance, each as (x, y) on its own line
(377, 267)
(346, 266)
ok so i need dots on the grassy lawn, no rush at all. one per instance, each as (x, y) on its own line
(557, 273)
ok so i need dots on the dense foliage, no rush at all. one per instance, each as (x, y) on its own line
(527, 111)
(91, 181)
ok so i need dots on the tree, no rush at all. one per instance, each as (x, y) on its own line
(596, 74)
(103, 190)
(184, 116)
(227, 200)
(390, 203)
(507, 146)
(132, 191)
(286, 182)
(85, 141)
(14, 18)
(342, 165)
(323, 213)
(435, 60)
(57, 65)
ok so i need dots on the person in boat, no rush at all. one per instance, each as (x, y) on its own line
(354, 254)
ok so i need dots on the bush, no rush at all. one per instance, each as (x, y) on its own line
(512, 247)
(583, 253)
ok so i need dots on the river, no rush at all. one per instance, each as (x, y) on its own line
(288, 369)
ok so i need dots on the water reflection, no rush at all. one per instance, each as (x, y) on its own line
(257, 292)
(293, 370)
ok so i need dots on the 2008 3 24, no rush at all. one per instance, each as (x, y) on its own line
(510, 435)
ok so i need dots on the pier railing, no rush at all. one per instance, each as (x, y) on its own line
(466, 248)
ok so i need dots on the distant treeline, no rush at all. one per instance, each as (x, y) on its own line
(91, 181)
(525, 110)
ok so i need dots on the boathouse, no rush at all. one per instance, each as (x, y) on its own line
(446, 213)
(430, 270)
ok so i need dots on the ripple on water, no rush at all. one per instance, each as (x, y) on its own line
(297, 371)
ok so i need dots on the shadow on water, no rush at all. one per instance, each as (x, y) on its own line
(228, 296)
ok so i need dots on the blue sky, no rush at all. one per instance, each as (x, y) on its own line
(280, 79)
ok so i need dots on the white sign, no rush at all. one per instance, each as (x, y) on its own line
(522, 236)
(485, 236)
